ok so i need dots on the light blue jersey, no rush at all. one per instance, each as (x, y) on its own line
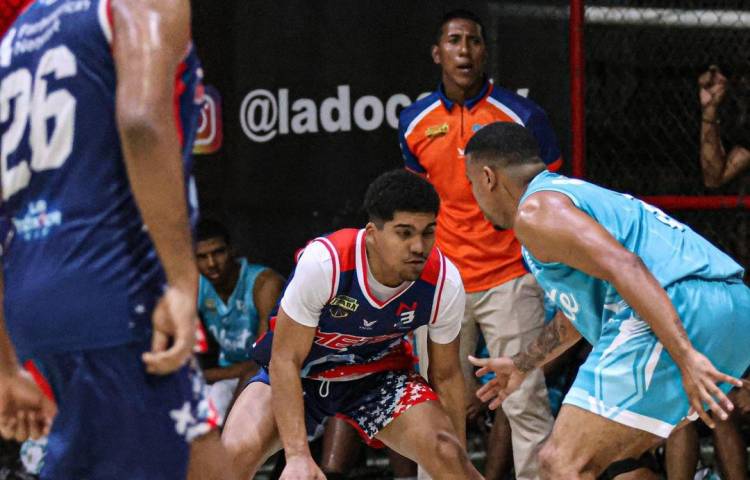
(629, 377)
(671, 250)
(234, 324)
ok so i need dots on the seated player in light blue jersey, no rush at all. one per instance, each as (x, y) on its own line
(235, 298)
(665, 311)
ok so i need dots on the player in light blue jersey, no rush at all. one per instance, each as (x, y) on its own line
(665, 310)
(235, 299)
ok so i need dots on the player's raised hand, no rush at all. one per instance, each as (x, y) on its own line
(699, 378)
(24, 410)
(712, 87)
(301, 467)
(507, 379)
(175, 318)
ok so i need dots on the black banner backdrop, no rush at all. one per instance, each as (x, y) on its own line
(311, 92)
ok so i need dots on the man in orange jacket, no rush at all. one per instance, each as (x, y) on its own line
(503, 299)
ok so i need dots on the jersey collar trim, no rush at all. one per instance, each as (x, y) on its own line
(470, 103)
(361, 265)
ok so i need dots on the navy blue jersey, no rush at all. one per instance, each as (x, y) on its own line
(80, 269)
(358, 334)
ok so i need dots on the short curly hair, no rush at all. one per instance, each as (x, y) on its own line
(209, 228)
(399, 191)
(461, 14)
(503, 143)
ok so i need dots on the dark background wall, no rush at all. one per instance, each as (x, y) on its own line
(345, 69)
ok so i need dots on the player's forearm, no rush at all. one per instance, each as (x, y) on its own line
(450, 390)
(713, 156)
(288, 407)
(555, 338)
(150, 39)
(642, 291)
(237, 370)
(155, 170)
(738, 161)
(8, 360)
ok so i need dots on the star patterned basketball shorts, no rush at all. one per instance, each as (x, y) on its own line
(117, 421)
(369, 404)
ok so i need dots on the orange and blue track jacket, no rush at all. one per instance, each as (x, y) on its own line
(433, 133)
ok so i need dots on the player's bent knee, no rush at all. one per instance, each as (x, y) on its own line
(553, 464)
(448, 450)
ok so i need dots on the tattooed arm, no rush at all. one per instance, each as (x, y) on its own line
(555, 230)
(556, 337)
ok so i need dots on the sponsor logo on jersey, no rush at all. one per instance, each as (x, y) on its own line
(210, 304)
(437, 130)
(406, 314)
(367, 324)
(38, 222)
(342, 306)
(342, 341)
(33, 37)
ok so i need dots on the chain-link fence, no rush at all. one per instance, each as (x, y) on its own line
(643, 115)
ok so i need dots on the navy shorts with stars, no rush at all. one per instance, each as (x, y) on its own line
(368, 404)
(115, 420)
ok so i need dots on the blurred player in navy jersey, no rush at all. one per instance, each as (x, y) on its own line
(99, 104)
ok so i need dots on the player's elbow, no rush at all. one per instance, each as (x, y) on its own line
(443, 375)
(712, 181)
(283, 364)
(138, 127)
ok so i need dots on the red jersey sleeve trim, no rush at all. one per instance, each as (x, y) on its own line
(439, 292)
(556, 165)
(39, 379)
(334, 265)
(105, 19)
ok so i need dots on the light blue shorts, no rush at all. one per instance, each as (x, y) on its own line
(631, 379)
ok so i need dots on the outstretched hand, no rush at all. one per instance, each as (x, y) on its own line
(174, 319)
(24, 410)
(507, 379)
(700, 379)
